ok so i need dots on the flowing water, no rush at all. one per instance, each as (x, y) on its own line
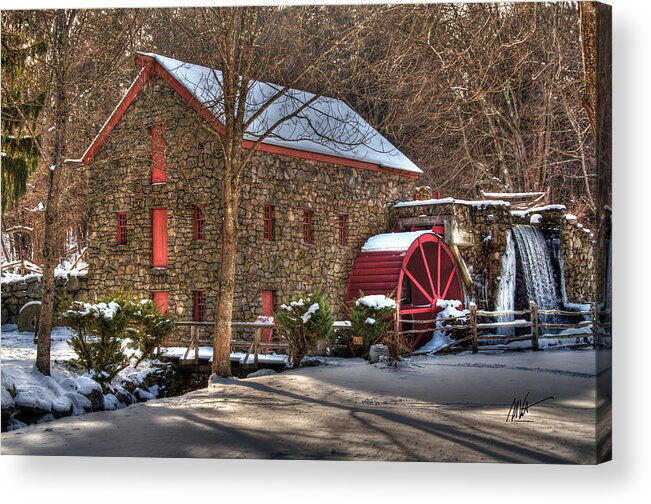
(537, 266)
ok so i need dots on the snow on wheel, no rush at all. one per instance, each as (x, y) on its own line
(416, 268)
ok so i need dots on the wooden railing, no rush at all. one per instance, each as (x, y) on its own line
(252, 346)
(476, 323)
(472, 322)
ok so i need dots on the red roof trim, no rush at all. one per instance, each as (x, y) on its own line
(151, 68)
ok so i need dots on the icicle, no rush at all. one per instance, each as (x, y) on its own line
(506, 292)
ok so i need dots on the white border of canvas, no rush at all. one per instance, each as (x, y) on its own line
(99, 480)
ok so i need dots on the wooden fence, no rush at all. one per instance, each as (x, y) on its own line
(477, 323)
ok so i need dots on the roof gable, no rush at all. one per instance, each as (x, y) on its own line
(326, 129)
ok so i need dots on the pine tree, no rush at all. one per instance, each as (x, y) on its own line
(22, 103)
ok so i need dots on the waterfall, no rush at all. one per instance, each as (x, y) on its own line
(506, 293)
(537, 266)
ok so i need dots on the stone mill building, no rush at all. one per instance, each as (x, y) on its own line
(328, 205)
(320, 185)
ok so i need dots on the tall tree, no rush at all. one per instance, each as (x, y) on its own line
(60, 30)
(236, 40)
(23, 97)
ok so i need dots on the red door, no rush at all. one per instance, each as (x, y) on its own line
(159, 237)
(161, 299)
(267, 311)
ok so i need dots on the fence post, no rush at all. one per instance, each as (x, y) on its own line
(473, 325)
(533, 316)
(256, 339)
(194, 330)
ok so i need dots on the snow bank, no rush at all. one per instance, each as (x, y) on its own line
(30, 397)
(439, 340)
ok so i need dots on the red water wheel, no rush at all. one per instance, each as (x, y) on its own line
(418, 269)
(428, 273)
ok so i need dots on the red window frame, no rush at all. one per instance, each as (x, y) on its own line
(158, 155)
(307, 226)
(159, 238)
(268, 217)
(121, 219)
(343, 229)
(199, 223)
(200, 305)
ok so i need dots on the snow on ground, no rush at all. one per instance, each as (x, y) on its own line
(205, 353)
(428, 408)
(68, 389)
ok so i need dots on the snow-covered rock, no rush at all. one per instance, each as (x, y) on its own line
(376, 352)
(7, 400)
(143, 395)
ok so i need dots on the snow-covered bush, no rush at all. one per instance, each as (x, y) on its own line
(372, 317)
(372, 320)
(114, 333)
(302, 322)
(147, 329)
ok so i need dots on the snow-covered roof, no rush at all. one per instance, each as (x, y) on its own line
(444, 201)
(326, 126)
(546, 208)
(390, 242)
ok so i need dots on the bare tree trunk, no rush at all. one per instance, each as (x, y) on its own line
(226, 287)
(50, 248)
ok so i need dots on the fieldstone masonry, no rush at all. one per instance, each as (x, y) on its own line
(17, 293)
(479, 231)
(119, 180)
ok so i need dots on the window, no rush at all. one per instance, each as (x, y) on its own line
(199, 223)
(160, 299)
(122, 228)
(343, 229)
(159, 237)
(158, 153)
(307, 226)
(200, 306)
(268, 222)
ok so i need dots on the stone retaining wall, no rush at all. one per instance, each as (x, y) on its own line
(17, 293)
(480, 231)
